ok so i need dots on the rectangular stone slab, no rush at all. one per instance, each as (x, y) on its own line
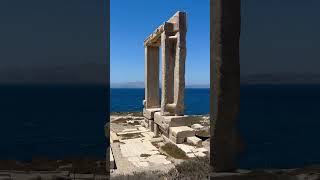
(181, 132)
(149, 113)
(169, 121)
(177, 140)
(194, 140)
(114, 137)
(153, 39)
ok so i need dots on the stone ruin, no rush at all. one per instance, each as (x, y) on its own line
(166, 117)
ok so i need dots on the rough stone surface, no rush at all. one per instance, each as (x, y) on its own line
(197, 126)
(154, 38)
(176, 140)
(112, 162)
(167, 73)
(173, 57)
(171, 36)
(152, 93)
(156, 130)
(151, 125)
(149, 113)
(114, 137)
(180, 58)
(195, 141)
(181, 132)
(225, 82)
(169, 121)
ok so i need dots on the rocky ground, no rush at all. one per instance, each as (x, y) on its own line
(180, 167)
(42, 168)
(198, 168)
(136, 150)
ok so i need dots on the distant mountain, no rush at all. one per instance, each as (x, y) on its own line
(285, 78)
(198, 86)
(140, 84)
(137, 84)
(88, 73)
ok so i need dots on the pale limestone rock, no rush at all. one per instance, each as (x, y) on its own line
(158, 159)
(167, 73)
(194, 140)
(130, 130)
(149, 113)
(114, 137)
(176, 140)
(200, 154)
(171, 36)
(186, 148)
(204, 150)
(196, 126)
(181, 131)
(190, 155)
(169, 121)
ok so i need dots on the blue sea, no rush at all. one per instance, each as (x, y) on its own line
(279, 123)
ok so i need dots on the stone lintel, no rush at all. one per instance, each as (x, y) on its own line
(149, 113)
(179, 20)
(154, 39)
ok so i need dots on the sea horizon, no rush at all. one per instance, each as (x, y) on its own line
(68, 121)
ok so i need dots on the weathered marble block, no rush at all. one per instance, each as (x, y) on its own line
(169, 121)
(181, 132)
(194, 141)
(176, 140)
(149, 113)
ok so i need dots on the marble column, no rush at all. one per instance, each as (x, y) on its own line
(168, 64)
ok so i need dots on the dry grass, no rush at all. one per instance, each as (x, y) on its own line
(145, 155)
(154, 175)
(131, 136)
(203, 133)
(173, 151)
(197, 168)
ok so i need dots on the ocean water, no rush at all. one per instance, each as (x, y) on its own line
(52, 121)
(279, 123)
(196, 100)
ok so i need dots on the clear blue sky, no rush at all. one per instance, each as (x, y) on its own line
(65, 41)
(132, 21)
